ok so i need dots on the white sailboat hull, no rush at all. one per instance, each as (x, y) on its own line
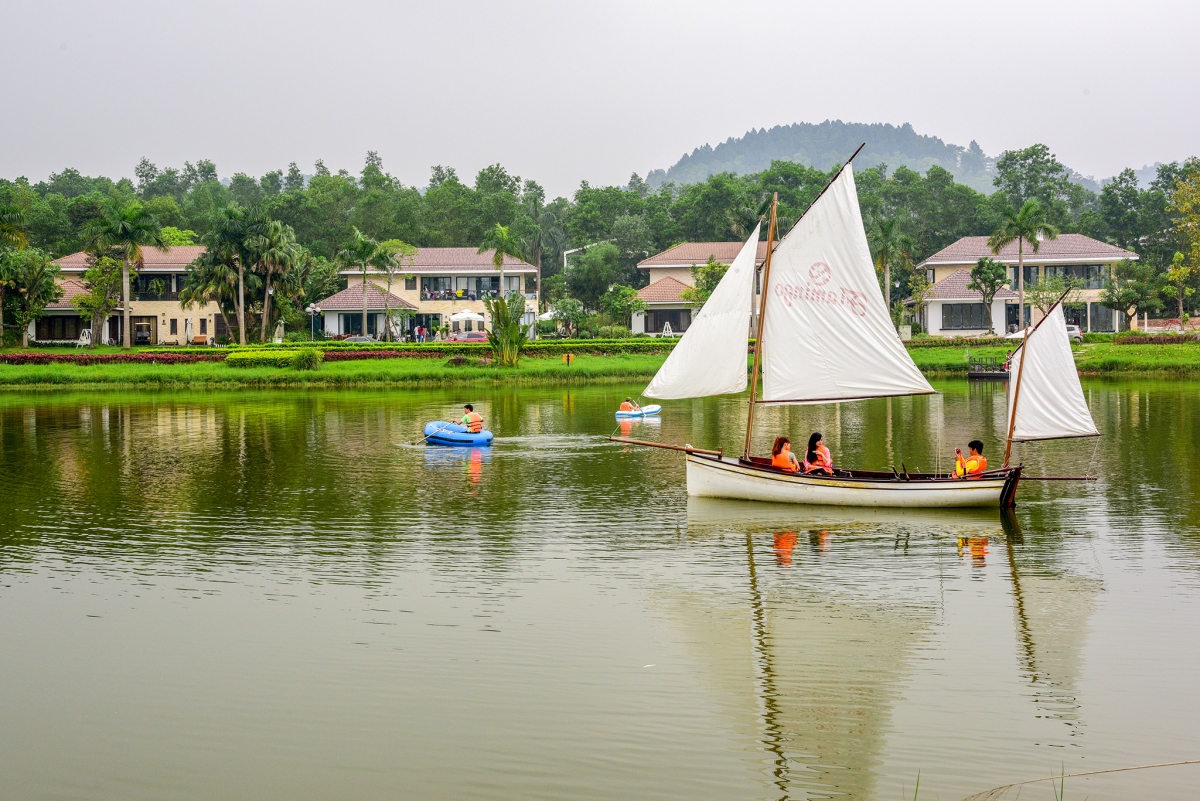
(713, 477)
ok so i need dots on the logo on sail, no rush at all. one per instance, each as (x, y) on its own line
(815, 291)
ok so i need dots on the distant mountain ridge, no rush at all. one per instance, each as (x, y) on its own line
(822, 145)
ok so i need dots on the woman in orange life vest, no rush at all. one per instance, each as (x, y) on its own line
(975, 462)
(782, 456)
(471, 419)
(817, 457)
(629, 406)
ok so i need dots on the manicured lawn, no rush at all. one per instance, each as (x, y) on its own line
(351, 373)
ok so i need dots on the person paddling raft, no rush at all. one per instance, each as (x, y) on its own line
(974, 463)
(629, 405)
(471, 419)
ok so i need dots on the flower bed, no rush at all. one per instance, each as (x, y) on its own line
(109, 358)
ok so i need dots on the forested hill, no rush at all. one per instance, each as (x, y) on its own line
(828, 143)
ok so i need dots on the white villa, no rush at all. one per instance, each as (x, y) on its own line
(437, 283)
(670, 273)
(954, 310)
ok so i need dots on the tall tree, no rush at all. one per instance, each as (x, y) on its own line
(214, 279)
(1132, 289)
(125, 228)
(988, 277)
(102, 279)
(392, 256)
(1027, 224)
(1179, 278)
(502, 243)
(273, 251)
(891, 246)
(32, 277)
(361, 251)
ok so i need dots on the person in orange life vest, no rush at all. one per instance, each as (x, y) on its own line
(817, 457)
(471, 419)
(782, 456)
(974, 463)
(629, 406)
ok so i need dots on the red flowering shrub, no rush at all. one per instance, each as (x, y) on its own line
(109, 358)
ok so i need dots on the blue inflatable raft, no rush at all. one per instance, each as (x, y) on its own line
(439, 432)
(653, 408)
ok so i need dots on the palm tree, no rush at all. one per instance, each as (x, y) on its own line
(126, 228)
(1028, 224)
(274, 252)
(211, 279)
(361, 251)
(890, 244)
(502, 243)
(12, 222)
(229, 242)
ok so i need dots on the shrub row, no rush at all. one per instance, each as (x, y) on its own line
(307, 359)
(110, 358)
(1156, 339)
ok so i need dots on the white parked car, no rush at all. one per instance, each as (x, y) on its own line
(1074, 333)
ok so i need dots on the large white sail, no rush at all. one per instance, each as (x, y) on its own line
(827, 333)
(1051, 403)
(710, 359)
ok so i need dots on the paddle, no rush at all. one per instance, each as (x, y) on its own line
(427, 436)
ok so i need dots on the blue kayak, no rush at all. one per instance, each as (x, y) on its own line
(439, 432)
(653, 408)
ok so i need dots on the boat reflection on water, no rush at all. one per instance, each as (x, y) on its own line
(469, 461)
(811, 658)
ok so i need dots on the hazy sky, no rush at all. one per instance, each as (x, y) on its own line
(562, 91)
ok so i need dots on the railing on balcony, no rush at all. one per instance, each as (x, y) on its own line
(155, 295)
(462, 294)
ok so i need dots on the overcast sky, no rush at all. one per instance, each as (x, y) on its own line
(565, 91)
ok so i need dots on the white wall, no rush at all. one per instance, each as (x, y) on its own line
(933, 319)
(638, 326)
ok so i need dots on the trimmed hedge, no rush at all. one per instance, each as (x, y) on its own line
(1156, 339)
(307, 359)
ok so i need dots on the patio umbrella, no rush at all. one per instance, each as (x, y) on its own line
(462, 316)
(546, 315)
(187, 331)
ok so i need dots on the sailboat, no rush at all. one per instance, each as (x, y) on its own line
(824, 335)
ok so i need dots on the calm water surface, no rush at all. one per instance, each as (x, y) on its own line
(272, 596)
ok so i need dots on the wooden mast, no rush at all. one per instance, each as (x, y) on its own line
(762, 309)
(762, 305)
(1012, 417)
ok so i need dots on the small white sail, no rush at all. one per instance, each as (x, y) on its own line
(827, 334)
(710, 358)
(1051, 403)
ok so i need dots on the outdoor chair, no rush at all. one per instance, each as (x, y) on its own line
(85, 338)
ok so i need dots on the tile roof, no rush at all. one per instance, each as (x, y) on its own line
(954, 287)
(1066, 248)
(71, 288)
(351, 299)
(175, 259)
(434, 260)
(690, 253)
(664, 290)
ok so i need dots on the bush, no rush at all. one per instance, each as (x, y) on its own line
(1156, 339)
(547, 327)
(614, 332)
(260, 358)
(308, 359)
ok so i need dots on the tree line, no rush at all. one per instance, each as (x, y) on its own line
(315, 218)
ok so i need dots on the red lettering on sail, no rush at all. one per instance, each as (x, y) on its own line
(820, 274)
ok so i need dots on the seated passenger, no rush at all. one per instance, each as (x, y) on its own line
(975, 462)
(628, 405)
(782, 456)
(817, 457)
(471, 419)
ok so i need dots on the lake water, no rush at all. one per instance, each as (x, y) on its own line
(272, 596)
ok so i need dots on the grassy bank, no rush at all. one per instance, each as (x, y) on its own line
(431, 372)
(1091, 358)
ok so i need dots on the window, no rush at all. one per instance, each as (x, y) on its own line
(1084, 276)
(512, 283)
(174, 326)
(658, 318)
(58, 328)
(964, 316)
(203, 325)
(410, 282)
